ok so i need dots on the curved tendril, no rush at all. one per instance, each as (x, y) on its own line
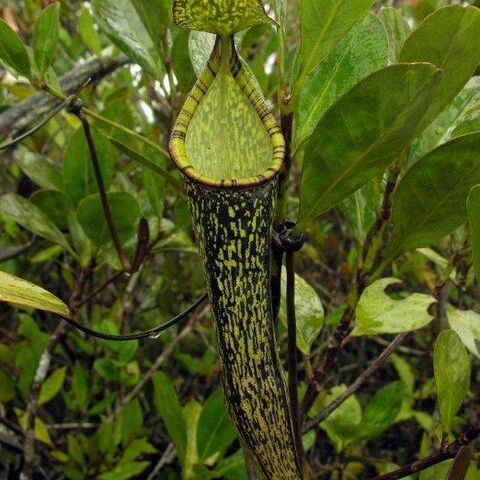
(36, 128)
(137, 336)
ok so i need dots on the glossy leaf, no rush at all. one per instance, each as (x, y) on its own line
(362, 134)
(378, 313)
(155, 16)
(30, 217)
(52, 386)
(45, 37)
(231, 468)
(200, 45)
(121, 22)
(445, 39)
(218, 16)
(169, 408)
(309, 311)
(215, 431)
(125, 212)
(466, 323)
(39, 169)
(323, 25)
(363, 51)
(431, 199)
(155, 164)
(341, 423)
(78, 174)
(451, 122)
(13, 51)
(452, 375)
(361, 209)
(473, 206)
(20, 292)
(397, 29)
(380, 412)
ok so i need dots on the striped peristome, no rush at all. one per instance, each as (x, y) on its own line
(232, 219)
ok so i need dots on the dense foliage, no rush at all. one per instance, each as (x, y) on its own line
(380, 107)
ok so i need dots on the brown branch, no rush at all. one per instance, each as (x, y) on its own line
(357, 384)
(23, 116)
(102, 191)
(362, 279)
(449, 452)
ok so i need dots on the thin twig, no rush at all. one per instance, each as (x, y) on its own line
(102, 191)
(450, 451)
(165, 459)
(158, 363)
(357, 384)
(137, 336)
(36, 128)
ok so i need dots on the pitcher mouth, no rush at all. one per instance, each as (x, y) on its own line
(270, 129)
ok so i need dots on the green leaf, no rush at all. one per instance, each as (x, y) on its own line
(377, 313)
(340, 425)
(78, 174)
(218, 16)
(445, 39)
(7, 386)
(40, 169)
(26, 214)
(397, 29)
(181, 61)
(452, 376)
(361, 209)
(125, 471)
(87, 32)
(363, 51)
(473, 206)
(215, 431)
(200, 46)
(169, 408)
(45, 37)
(323, 25)
(431, 199)
(54, 204)
(52, 386)
(123, 25)
(381, 412)
(106, 369)
(13, 51)
(231, 468)
(125, 213)
(132, 421)
(364, 132)
(155, 16)
(80, 385)
(452, 121)
(155, 165)
(310, 314)
(466, 323)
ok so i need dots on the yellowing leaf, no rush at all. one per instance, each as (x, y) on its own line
(52, 386)
(378, 313)
(20, 292)
(466, 323)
